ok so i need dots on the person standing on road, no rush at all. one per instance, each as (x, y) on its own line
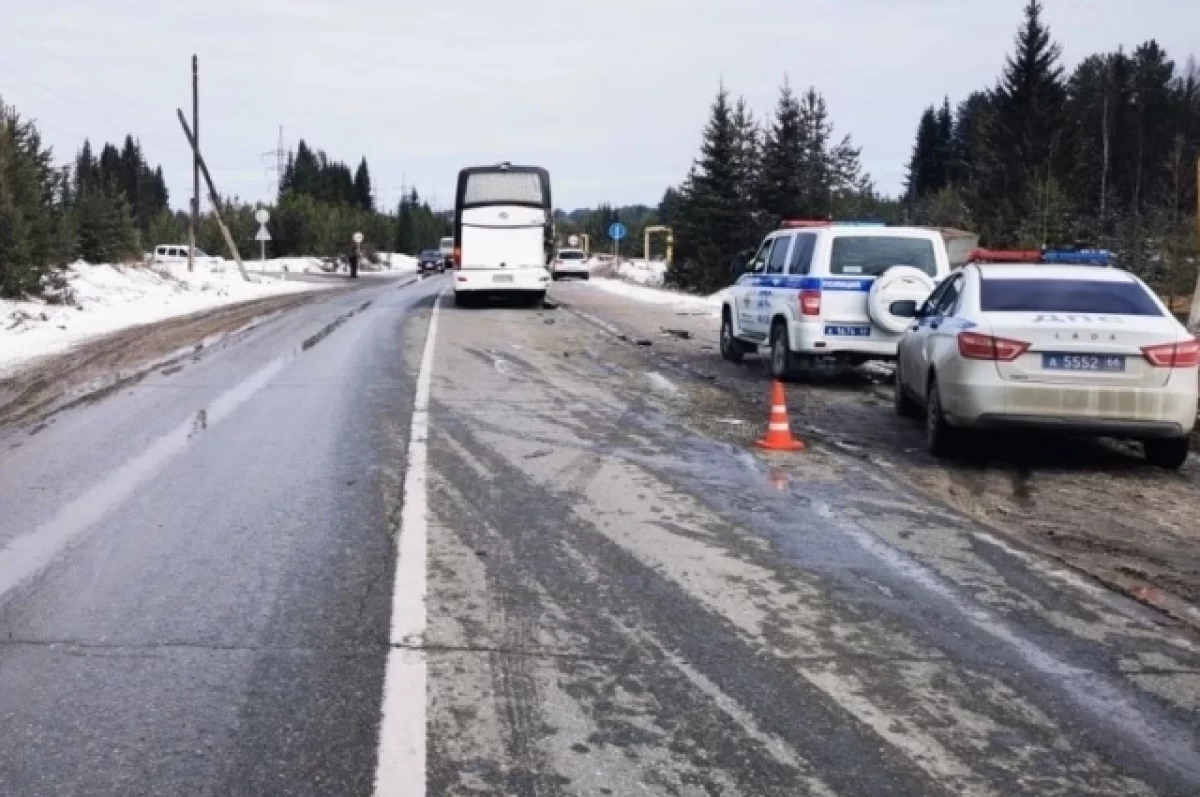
(354, 261)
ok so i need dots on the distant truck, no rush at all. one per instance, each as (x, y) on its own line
(446, 248)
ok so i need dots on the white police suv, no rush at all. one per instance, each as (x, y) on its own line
(1024, 341)
(822, 289)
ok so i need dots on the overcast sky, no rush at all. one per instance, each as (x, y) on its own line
(610, 96)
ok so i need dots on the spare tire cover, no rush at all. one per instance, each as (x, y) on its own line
(894, 285)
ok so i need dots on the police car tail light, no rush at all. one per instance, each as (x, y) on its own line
(1184, 354)
(810, 302)
(975, 346)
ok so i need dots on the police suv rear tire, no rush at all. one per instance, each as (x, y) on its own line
(781, 352)
(732, 349)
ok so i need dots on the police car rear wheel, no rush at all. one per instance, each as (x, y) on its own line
(905, 407)
(781, 353)
(731, 348)
(940, 437)
(1169, 454)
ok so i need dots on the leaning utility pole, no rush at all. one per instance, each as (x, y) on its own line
(1193, 324)
(212, 195)
(194, 223)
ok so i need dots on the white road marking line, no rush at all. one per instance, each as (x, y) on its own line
(400, 771)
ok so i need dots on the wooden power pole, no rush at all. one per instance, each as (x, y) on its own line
(194, 224)
(213, 196)
(1193, 324)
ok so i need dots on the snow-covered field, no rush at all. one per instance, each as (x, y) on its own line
(108, 298)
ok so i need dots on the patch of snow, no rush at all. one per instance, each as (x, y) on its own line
(397, 262)
(660, 382)
(651, 273)
(710, 305)
(110, 297)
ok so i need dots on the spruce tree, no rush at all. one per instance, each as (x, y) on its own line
(28, 215)
(945, 144)
(362, 187)
(923, 164)
(779, 184)
(748, 163)
(86, 171)
(1026, 137)
(714, 223)
(828, 172)
(104, 225)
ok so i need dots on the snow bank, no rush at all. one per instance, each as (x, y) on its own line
(642, 293)
(109, 298)
(643, 272)
(397, 262)
(389, 262)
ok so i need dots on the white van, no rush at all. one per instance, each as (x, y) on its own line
(175, 254)
(503, 232)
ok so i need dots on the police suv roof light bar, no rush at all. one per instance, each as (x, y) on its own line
(791, 224)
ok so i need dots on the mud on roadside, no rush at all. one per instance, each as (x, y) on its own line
(97, 367)
(1094, 505)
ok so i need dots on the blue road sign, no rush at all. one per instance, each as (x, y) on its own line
(617, 231)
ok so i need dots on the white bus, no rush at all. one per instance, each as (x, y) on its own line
(503, 232)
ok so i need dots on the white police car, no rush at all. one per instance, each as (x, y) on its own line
(821, 289)
(1073, 348)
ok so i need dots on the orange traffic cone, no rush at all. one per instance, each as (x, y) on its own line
(779, 429)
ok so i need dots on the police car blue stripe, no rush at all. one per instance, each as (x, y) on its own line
(808, 283)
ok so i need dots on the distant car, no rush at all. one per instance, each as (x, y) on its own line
(1071, 348)
(430, 260)
(570, 263)
(820, 291)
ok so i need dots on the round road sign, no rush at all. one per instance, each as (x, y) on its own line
(617, 231)
(573, 240)
(358, 237)
(262, 216)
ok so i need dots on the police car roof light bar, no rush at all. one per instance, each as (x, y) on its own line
(1099, 257)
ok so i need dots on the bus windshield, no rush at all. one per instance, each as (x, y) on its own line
(505, 187)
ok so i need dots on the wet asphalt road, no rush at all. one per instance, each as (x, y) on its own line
(196, 584)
